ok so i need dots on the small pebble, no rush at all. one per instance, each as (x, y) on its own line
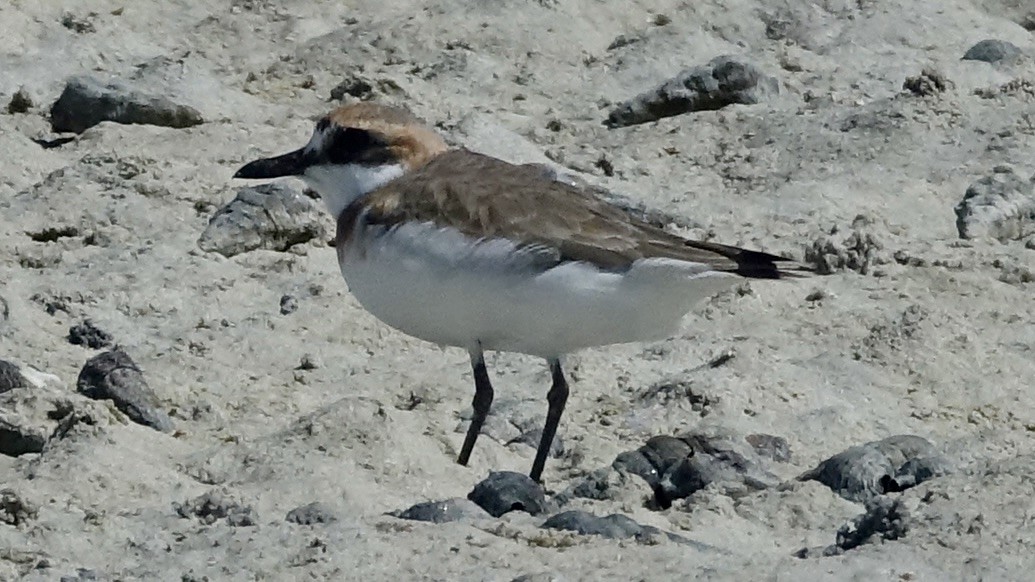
(288, 304)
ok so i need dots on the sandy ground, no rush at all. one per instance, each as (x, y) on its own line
(935, 339)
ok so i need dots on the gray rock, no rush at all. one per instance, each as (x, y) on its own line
(774, 447)
(992, 50)
(87, 101)
(614, 526)
(505, 491)
(603, 484)
(999, 206)
(454, 509)
(677, 467)
(731, 465)
(114, 376)
(274, 216)
(892, 464)
(725, 80)
(311, 513)
(11, 377)
(14, 510)
(89, 335)
(215, 505)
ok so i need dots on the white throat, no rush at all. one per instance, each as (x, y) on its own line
(340, 185)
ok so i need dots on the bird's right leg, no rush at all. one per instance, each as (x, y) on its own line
(481, 403)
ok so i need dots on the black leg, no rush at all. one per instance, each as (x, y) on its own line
(482, 402)
(556, 398)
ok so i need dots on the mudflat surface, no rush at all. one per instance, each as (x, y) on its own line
(283, 392)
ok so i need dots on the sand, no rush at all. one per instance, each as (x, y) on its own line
(928, 334)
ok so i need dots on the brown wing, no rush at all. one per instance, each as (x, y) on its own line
(485, 197)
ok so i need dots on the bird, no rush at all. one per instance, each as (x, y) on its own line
(463, 249)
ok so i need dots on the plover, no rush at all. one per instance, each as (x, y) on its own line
(462, 249)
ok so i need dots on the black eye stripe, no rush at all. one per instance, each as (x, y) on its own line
(354, 145)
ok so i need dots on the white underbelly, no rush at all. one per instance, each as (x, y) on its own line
(440, 286)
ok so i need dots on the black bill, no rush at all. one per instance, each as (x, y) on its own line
(290, 164)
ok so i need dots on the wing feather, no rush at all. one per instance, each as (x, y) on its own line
(485, 198)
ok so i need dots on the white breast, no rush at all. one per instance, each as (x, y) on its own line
(444, 287)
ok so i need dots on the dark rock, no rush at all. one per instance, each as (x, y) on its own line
(309, 362)
(288, 304)
(87, 101)
(352, 86)
(653, 459)
(10, 377)
(454, 509)
(884, 519)
(311, 514)
(725, 80)
(866, 471)
(79, 24)
(14, 510)
(216, 505)
(274, 216)
(999, 206)
(928, 82)
(991, 51)
(505, 491)
(89, 335)
(17, 439)
(21, 102)
(717, 461)
(677, 467)
(860, 250)
(114, 376)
